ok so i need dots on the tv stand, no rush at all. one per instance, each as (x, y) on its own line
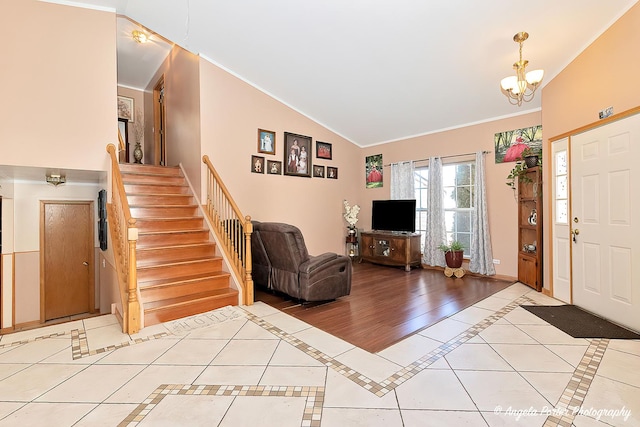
(391, 248)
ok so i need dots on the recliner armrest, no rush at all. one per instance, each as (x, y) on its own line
(316, 262)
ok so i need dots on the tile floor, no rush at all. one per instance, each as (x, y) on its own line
(493, 364)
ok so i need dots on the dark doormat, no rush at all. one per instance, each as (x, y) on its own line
(579, 323)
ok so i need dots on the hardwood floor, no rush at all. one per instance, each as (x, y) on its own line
(388, 304)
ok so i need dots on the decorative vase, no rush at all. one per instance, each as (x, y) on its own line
(137, 153)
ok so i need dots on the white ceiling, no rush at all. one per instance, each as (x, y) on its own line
(373, 71)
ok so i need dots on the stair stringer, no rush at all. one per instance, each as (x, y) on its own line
(233, 275)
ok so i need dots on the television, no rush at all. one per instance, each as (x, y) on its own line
(394, 215)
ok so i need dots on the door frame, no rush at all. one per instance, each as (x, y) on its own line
(549, 178)
(159, 124)
(92, 294)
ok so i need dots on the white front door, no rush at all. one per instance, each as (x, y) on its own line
(605, 188)
(561, 247)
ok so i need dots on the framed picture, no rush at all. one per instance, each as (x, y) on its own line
(257, 164)
(509, 145)
(318, 171)
(274, 167)
(373, 171)
(297, 161)
(332, 173)
(125, 108)
(323, 150)
(266, 141)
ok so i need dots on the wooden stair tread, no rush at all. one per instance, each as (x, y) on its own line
(182, 279)
(193, 230)
(171, 302)
(183, 262)
(181, 246)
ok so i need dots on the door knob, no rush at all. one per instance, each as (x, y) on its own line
(574, 233)
(85, 263)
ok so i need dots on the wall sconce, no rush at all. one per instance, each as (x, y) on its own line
(140, 36)
(56, 179)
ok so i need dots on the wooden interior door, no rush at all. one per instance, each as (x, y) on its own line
(67, 243)
(604, 212)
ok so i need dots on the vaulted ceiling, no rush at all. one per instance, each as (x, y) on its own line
(374, 71)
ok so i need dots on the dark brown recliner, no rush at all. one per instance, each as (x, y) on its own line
(261, 266)
(293, 271)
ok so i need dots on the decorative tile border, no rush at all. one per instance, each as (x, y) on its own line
(575, 392)
(311, 417)
(27, 341)
(80, 345)
(393, 381)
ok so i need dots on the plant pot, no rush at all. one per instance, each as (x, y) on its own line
(454, 258)
(531, 161)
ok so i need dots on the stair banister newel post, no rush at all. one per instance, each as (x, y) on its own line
(248, 230)
(133, 310)
(124, 234)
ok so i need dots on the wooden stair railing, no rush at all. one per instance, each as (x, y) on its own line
(124, 235)
(232, 229)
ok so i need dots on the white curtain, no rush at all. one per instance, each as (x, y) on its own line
(436, 232)
(481, 254)
(402, 181)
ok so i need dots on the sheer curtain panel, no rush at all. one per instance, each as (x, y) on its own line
(402, 181)
(481, 254)
(436, 234)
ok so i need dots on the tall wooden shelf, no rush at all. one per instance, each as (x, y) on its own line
(529, 231)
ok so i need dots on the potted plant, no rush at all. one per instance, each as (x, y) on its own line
(453, 253)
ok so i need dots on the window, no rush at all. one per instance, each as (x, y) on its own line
(561, 193)
(459, 189)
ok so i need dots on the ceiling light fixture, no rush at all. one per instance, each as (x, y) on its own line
(140, 36)
(56, 179)
(521, 87)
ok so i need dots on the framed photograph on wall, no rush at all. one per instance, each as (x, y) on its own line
(274, 167)
(318, 171)
(373, 171)
(323, 150)
(257, 164)
(332, 173)
(297, 161)
(266, 141)
(125, 108)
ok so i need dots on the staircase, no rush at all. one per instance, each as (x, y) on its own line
(178, 271)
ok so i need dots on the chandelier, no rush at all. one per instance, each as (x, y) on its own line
(521, 87)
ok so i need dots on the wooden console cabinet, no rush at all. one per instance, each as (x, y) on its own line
(398, 249)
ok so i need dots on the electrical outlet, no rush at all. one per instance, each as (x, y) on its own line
(603, 114)
(496, 261)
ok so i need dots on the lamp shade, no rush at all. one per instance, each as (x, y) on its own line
(509, 83)
(535, 76)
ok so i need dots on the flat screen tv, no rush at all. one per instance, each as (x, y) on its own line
(394, 215)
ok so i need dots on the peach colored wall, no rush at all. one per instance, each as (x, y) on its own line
(604, 74)
(138, 106)
(502, 207)
(27, 293)
(231, 113)
(59, 91)
(182, 95)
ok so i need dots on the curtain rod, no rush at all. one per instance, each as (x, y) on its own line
(442, 157)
